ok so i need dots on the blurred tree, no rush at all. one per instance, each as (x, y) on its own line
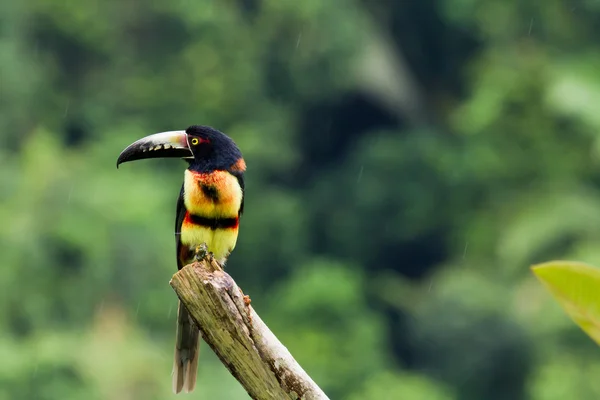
(407, 161)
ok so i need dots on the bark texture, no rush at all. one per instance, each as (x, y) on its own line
(241, 340)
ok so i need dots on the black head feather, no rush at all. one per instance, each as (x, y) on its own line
(212, 148)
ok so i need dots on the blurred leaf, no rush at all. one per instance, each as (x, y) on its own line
(576, 286)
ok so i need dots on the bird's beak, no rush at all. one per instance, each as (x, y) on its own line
(164, 144)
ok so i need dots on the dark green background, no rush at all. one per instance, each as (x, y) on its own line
(407, 162)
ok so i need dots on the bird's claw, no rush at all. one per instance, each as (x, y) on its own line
(201, 252)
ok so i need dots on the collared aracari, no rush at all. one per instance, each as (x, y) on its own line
(209, 208)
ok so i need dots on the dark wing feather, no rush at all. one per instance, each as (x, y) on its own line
(181, 210)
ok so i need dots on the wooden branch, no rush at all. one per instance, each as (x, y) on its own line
(245, 345)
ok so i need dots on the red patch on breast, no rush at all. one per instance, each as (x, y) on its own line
(187, 220)
(239, 166)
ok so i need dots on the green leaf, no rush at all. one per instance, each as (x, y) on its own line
(576, 286)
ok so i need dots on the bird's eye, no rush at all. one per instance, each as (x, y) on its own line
(195, 141)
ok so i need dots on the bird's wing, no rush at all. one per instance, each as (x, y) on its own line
(181, 210)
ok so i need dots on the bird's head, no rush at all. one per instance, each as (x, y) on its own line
(202, 146)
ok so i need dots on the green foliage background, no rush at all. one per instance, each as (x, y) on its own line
(407, 162)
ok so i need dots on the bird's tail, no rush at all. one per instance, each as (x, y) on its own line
(185, 366)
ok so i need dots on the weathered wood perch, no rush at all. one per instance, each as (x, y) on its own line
(245, 345)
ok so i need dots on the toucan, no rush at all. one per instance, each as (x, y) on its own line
(209, 207)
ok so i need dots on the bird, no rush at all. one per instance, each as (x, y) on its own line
(208, 212)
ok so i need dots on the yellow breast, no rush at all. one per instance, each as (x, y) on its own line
(220, 242)
(216, 194)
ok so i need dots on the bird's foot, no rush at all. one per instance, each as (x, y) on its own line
(200, 252)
